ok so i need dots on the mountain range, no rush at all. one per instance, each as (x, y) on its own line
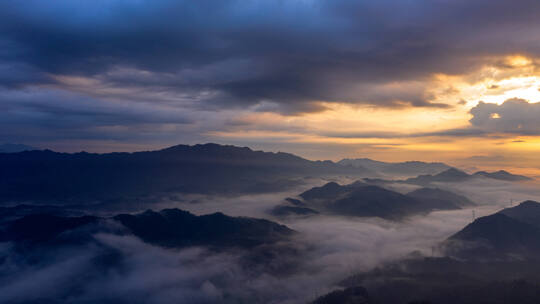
(45, 176)
(364, 200)
(454, 175)
(502, 175)
(167, 228)
(178, 228)
(409, 168)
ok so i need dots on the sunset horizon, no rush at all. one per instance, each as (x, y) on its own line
(270, 151)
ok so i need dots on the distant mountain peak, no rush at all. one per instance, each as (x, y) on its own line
(529, 203)
(365, 200)
(502, 175)
(407, 168)
(453, 172)
(527, 211)
(441, 199)
(456, 175)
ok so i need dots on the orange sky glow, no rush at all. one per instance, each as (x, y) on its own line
(400, 134)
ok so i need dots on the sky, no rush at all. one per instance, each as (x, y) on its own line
(443, 80)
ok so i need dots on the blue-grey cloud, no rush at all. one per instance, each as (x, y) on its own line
(280, 56)
(46, 115)
(516, 116)
(285, 52)
(512, 117)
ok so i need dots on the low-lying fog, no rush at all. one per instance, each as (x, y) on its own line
(345, 245)
(331, 248)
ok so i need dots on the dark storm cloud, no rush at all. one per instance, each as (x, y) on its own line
(16, 75)
(51, 114)
(285, 52)
(194, 59)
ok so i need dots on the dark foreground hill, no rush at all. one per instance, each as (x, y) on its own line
(364, 200)
(495, 260)
(136, 258)
(527, 212)
(167, 228)
(441, 281)
(178, 228)
(210, 168)
(513, 233)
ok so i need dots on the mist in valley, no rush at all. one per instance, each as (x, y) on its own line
(326, 250)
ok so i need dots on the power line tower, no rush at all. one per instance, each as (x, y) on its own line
(473, 215)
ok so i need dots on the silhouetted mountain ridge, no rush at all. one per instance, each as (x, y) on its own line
(444, 280)
(440, 199)
(492, 260)
(410, 168)
(178, 228)
(527, 212)
(513, 233)
(502, 175)
(455, 175)
(364, 200)
(168, 228)
(209, 168)
(284, 210)
(450, 175)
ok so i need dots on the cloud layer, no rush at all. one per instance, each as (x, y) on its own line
(238, 53)
(112, 267)
(515, 116)
(169, 71)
